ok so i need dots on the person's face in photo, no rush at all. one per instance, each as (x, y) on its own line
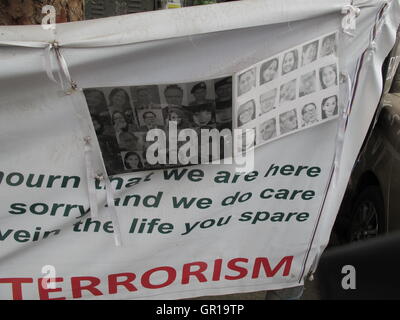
(96, 125)
(129, 115)
(224, 92)
(247, 112)
(309, 113)
(173, 116)
(329, 106)
(143, 97)
(267, 101)
(246, 81)
(149, 119)
(288, 121)
(328, 46)
(118, 100)
(174, 97)
(223, 115)
(119, 121)
(289, 62)
(308, 83)
(202, 117)
(200, 94)
(133, 161)
(127, 140)
(268, 129)
(288, 91)
(310, 53)
(270, 72)
(94, 99)
(328, 76)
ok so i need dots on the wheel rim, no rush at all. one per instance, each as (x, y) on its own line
(365, 222)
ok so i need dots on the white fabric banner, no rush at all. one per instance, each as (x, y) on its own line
(82, 204)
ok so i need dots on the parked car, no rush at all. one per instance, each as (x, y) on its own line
(371, 205)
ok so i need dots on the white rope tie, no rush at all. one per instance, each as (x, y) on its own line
(341, 130)
(349, 21)
(90, 176)
(113, 212)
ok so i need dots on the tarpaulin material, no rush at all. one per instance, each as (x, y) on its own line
(195, 230)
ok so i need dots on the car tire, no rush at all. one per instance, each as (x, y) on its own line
(367, 215)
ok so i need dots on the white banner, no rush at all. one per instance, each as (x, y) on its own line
(83, 204)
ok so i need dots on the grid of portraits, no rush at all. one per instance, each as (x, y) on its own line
(122, 116)
(294, 90)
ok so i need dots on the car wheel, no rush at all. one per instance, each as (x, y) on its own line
(367, 215)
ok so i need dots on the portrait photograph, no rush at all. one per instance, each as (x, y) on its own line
(269, 71)
(145, 97)
(268, 101)
(329, 107)
(308, 83)
(329, 45)
(246, 81)
(328, 76)
(309, 114)
(268, 129)
(288, 121)
(288, 91)
(201, 92)
(246, 112)
(150, 119)
(290, 61)
(309, 53)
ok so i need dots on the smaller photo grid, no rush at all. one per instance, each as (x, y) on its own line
(293, 90)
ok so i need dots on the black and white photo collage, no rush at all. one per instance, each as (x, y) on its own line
(294, 90)
(122, 116)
